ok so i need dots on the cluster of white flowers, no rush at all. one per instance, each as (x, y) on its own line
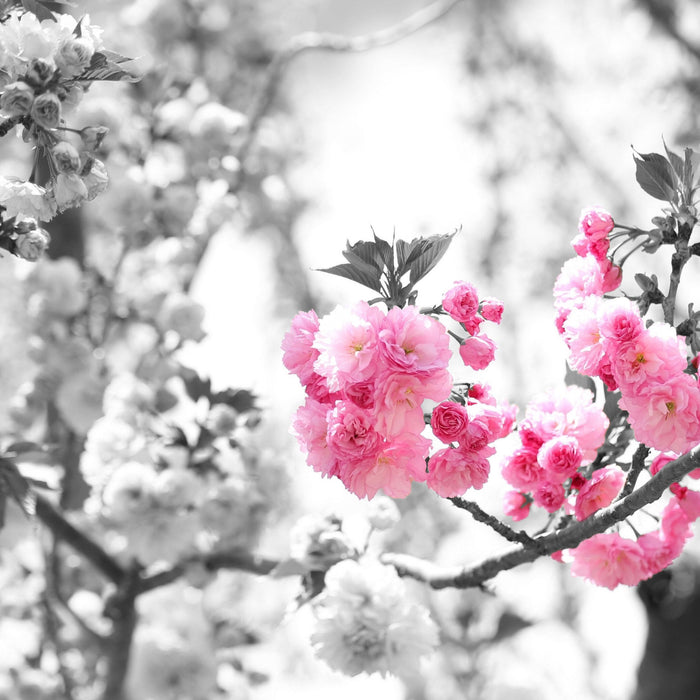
(44, 70)
(366, 622)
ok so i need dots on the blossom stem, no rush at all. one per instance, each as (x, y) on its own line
(635, 470)
(569, 537)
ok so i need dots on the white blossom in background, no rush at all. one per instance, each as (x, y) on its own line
(367, 623)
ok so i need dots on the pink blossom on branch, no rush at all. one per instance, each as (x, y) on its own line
(461, 302)
(608, 560)
(452, 471)
(599, 491)
(478, 351)
(516, 505)
(449, 421)
(595, 223)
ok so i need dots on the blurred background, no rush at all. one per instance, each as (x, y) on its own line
(502, 119)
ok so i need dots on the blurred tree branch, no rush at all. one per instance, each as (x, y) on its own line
(663, 13)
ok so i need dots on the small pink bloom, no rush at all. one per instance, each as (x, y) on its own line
(399, 405)
(478, 351)
(608, 560)
(579, 278)
(449, 421)
(393, 469)
(311, 429)
(347, 342)
(560, 457)
(492, 309)
(452, 471)
(361, 394)
(351, 433)
(516, 505)
(583, 338)
(688, 501)
(461, 302)
(414, 343)
(595, 223)
(549, 495)
(599, 491)
(619, 320)
(297, 345)
(660, 461)
(521, 470)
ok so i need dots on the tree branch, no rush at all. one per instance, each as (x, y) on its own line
(63, 530)
(569, 537)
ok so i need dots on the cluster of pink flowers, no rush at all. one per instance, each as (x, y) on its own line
(560, 434)
(462, 304)
(366, 374)
(607, 338)
(609, 559)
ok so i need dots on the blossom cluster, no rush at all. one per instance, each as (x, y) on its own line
(365, 622)
(559, 437)
(366, 375)
(607, 338)
(45, 70)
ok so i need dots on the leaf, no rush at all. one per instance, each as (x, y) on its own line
(574, 378)
(13, 484)
(647, 284)
(114, 57)
(404, 251)
(656, 176)
(364, 253)
(21, 447)
(385, 251)
(510, 623)
(242, 400)
(41, 11)
(676, 163)
(433, 250)
(101, 68)
(349, 271)
(195, 386)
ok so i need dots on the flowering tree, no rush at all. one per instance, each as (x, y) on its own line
(149, 481)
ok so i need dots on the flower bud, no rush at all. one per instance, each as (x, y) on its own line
(46, 110)
(31, 245)
(92, 136)
(74, 56)
(66, 157)
(40, 72)
(16, 99)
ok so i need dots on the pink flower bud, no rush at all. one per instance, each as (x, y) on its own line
(492, 309)
(478, 351)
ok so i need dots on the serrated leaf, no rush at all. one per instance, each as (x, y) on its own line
(656, 176)
(114, 57)
(433, 250)
(403, 251)
(350, 272)
(101, 68)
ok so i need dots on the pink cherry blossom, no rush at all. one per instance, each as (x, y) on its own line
(351, 433)
(521, 470)
(619, 320)
(398, 408)
(478, 351)
(688, 501)
(311, 430)
(461, 302)
(492, 309)
(579, 278)
(560, 457)
(595, 223)
(393, 468)
(516, 505)
(449, 421)
(599, 491)
(297, 345)
(452, 471)
(347, 341)
(608, 560)
(549, 495)
(362, 394)
(414, 343)
(583, 337)
(665, 416)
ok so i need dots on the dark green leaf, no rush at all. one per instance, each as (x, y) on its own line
(242, 400)
(403, 252)
(114, 57)
(430, 254)
(676, 164)
(351, 272)
(656, 176)
(385, 252)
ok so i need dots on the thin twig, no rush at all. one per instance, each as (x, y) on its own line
(495, 524)
(635, 470)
